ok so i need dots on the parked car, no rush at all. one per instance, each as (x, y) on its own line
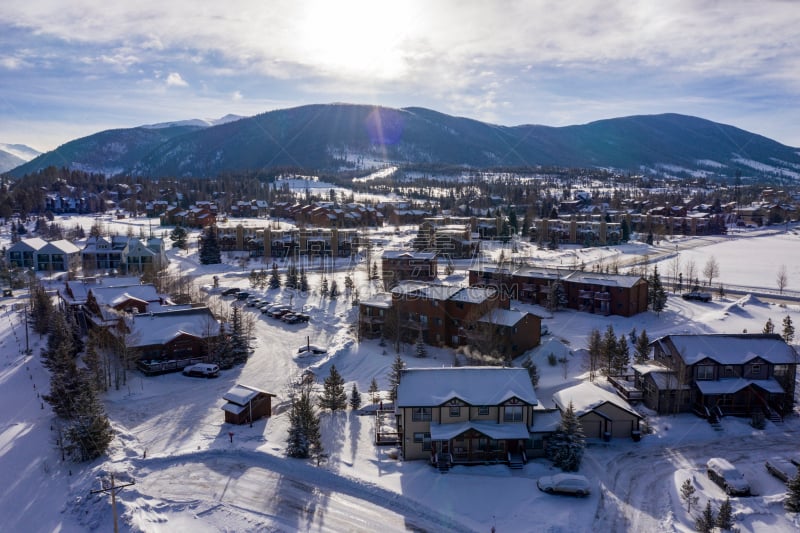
(781, 468)
(303, 317)
(698, 296)
(727, 476)
(230, 291)
(253, 302)
(575, 484)
(201, 370)
(290, 318)
(277, 312)
(242, 295)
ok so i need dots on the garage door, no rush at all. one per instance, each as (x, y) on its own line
(592, 429)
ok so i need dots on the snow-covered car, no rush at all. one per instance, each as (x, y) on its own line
(781, 468)
(727, 476)
(277, 312)
(201, 370)
(253, 302)
(230, 291)
(575, 484)
(310, 349)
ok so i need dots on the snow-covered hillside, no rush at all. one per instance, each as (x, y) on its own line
(191, 474)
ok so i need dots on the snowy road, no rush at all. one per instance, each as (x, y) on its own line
(278, 495)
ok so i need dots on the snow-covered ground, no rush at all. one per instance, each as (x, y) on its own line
(189, 476)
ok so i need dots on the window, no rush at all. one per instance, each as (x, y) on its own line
(755, 370)
(455, 411)
(512, 413)
(483, 410)
(421, 414)
(423, 319)
(780, 370)
(424, 439)
(705, 372)
(728, 371)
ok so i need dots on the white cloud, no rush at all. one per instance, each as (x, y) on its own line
(175, 80)
(237, 96)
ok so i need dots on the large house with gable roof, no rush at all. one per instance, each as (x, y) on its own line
(465, 415)
(720, 374)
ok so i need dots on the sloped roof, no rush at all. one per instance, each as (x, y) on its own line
(476, 385)
(243, 394)
(503, 317)
(113, 296)
(493, 430)
(62, 246)
(396, 254)
(34, 243)
(160, 328)
(729, 349)
(586, 397)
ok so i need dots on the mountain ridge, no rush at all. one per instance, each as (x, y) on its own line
(330, 137)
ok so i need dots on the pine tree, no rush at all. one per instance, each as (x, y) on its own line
(792, 501)
(65, 381)
(705, 522)
(533, 372)
(303, 281)
(374, 275)
(355, 398)
(179, 237)
(422, 350)
(240, 344)
(304, 435)
(373, 390)
(261, 278)
(557, 297)
(788, 329)
(621, 356)
(209, 247)
(334, 290)
(566, 446)
(348, 283)
(93, 363)
(333, 396)
(688, 495)
(642, 347)
(657, 296)
(89, 432)
(769, 327)
(395, 374)
(595, 350)
(291, 276)
(724, 519)
(609, 349)
(274, 278)
(42, 310)
(323, 290)
(253, 279)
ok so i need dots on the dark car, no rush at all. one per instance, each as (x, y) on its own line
(278, 313)
(242, 295)
(698, 296)
(290, 318)
(230, 291)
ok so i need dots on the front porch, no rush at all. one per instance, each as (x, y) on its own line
(478, 443)
(740, 397)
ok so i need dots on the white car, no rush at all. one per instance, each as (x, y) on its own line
(575, 484)
(727, 476)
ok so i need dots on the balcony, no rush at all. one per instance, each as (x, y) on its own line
(602, 296)
(586, 294)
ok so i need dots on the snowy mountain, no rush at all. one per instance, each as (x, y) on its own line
(198, 122)
(14, 155)
(342, 136)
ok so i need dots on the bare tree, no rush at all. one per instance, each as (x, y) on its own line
(782, 278)
(675, 269)
(691, 272)
(711, 270)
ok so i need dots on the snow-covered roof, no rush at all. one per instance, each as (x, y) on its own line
(160, 328)
(474, 295)
(503, 317)
(586, 396)
(113, 296)
(729, 349)
(730, 386)
(555, 347)
(382, 299)
(477, 385)
(63, 246)
(493, 430)
(425, 290)
(396, 254)
(243, 394)
(34, 243)
(545, 421)
(596, 278)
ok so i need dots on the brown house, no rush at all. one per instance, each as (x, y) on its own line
(607, 294)
(245, 404)
(444, 315)
(398, 266)
(602, 414)
(718, 375)
(465, 415)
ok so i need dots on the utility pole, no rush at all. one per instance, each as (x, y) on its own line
(113, 489)
(27, 345)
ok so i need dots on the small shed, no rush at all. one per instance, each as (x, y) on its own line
(246, 404)
(602, 413)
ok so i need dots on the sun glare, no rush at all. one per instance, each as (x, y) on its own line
(360, 38)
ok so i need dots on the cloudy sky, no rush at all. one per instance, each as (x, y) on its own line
(69, 69)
